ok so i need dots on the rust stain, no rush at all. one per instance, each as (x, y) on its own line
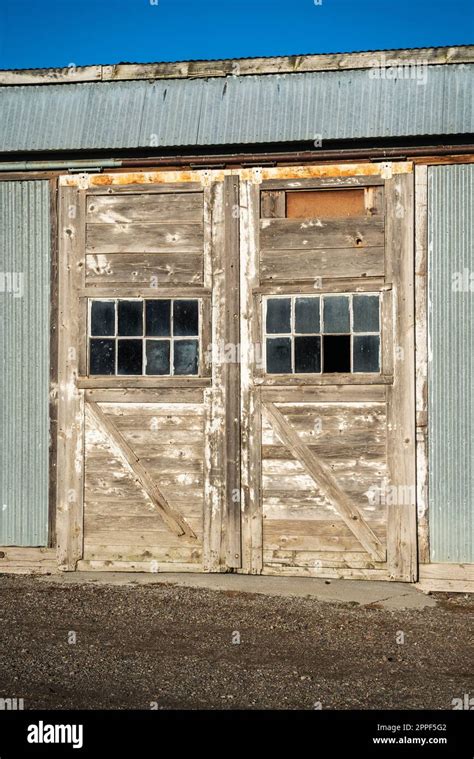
(217, 175)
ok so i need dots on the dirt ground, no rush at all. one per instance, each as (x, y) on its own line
(161, 646)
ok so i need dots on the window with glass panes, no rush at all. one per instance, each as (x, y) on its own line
(144, 337)
(326, 334)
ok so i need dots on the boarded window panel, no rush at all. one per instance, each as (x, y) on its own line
(308, 354)
(365, 313)
(103, 318)
(101, 356)
(129, 358)
(278, 316)
(278, 355)
(157, 356)
(327, 204)
(158, 318)
(130, 318)
(366, 353)
(186, 356)
(336, 314)
(185, 317)
(336, 353)
(307, 315)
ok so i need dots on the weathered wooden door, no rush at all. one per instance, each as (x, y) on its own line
(148, 419)
(236, 372)
(328, 411)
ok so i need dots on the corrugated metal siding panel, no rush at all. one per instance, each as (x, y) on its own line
(235, 110)
(451, 369)
(24, 363)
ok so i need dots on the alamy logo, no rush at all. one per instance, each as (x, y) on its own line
(463, 703)
(12, 282)
(42, 733)
(11, 704)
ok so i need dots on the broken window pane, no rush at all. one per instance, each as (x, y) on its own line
(101, 356)
(336, 314)
(157, 356)
(308, 354)
(365, 313)
(336, 353)
(186, 354)
(278, 315)
(103, 317)
(366, 353)
(130, 318)
(307, 315)
(185, 317)
(278, 355)
(129, 358)
(158, 318)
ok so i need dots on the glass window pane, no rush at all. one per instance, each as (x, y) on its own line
(336, 314)
(103, 317)
(366, 353)
(130, 318)
(129, 359)
(157, 356)
(278, 315)
(307, 315)
(186, 353)
(185, 318)
(101, 356)
(365, 313)
(278, 355)
(308, 354)
(158, 318)
(336, 353)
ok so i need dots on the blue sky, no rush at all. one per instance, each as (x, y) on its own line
(44, 33)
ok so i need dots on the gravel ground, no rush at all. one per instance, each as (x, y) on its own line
(178, 647)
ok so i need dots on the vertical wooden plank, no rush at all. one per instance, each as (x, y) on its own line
(53, 364)
(421, 355)
(214, 397)
(273, 204)
(69, 524)
(401, 519)
(251, 352)
(232, 370)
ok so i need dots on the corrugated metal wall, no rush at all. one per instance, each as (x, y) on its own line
(24, 362)
(451, 369)
(330, 105)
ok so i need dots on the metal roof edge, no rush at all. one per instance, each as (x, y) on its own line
(239, 66)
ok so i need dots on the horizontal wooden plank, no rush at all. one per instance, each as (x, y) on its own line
(271, 380)
(136, 395)
(312, 508)
(185, 290)
(111, 383)
(109, 552)
(338, 394)
(141, 237)
(332, 573)
(137, 566)
(337, 449)
(319, 183)
(315, 285)
(314, 234)
(281, 265)
(445, 586)
(129, 269)
(103, 185)
(136, 527)
(145, 208)
(189, 502)
(445, 571)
